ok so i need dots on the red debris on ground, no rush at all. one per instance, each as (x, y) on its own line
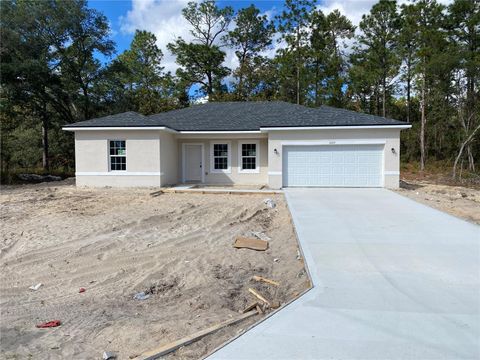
(81, 290)
(49, 324)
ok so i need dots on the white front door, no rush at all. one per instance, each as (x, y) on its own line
(193, 166)
(333, 165)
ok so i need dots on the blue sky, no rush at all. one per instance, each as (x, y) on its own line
(117, 13)
(164, 19)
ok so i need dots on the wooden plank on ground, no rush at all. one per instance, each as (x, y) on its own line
(259, 296)
(250, 307)
(251, 243)
(265, 280)
(165, 349)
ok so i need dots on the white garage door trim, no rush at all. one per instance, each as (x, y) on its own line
(335, 142)
(331, 179)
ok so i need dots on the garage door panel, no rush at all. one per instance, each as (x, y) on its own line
(333, 165)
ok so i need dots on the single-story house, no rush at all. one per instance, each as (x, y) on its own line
(275, 143)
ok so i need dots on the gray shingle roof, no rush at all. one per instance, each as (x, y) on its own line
(241, 116)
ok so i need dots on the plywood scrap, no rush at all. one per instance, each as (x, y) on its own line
(168, 348)
(251, 243)
(259, 296)
(265, 280)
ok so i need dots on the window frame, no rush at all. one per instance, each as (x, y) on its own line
(228, 170)
(257, 157)
(110, 156)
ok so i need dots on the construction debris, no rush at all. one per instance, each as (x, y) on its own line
(156, 193)
(261, 235)
(275, 304)
(259, 296)
(250, 307)
(141, 296)
(82, 290)
(270, 203)
(168, 348)
(49, 324)
(35, 287)
(265, 280)
(108, 355)
(251, 243)
(35, 178)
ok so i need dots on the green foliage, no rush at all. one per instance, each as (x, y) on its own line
(252, 35)
(208, 21)
(200, 64)
(201, 61)
(327, 63)
(419, 62)
(138, 74)
(294, 24)
(376, 51)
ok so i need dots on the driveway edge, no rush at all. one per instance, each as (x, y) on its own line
(307, 262)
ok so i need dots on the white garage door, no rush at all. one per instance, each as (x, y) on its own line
(333, 165)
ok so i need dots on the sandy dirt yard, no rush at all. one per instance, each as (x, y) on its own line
(459, 201)
(115, 243)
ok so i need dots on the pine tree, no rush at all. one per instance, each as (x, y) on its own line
(378, 40)
(201, 61)
(293, 24)
(252, 35)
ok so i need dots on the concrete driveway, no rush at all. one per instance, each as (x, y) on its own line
(394, 279)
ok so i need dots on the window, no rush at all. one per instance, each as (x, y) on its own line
(248, 157)
(118, 155)
(220, 157)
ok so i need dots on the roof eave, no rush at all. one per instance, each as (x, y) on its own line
(335, 127)
(107, 128)
(262, 129)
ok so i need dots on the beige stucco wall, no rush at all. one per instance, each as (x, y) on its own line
(277, 139)
(234, 176)
(168, 158)
(92, 158)
(154, 158)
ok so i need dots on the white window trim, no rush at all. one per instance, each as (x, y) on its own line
(228, 170)
(110, 156)
(257, 157)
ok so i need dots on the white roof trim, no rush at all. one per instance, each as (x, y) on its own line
(352, 127)
(164, 128)
(222, 132)
(106, 128)
(262, 129)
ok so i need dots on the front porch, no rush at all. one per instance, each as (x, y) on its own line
(220, 189)
(226, 161)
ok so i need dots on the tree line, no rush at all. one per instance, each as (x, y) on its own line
(418, 62)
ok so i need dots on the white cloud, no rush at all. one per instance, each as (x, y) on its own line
(164, 19)
(161, 17)
(354, 9)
